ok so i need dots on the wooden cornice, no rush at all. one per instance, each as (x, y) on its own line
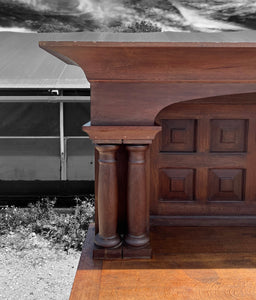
(161, 62)
(121, 134)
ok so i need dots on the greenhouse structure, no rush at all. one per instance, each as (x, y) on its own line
(43, 105)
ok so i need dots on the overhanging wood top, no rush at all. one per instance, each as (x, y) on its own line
(166, 57)
(134, 76)
(159, 37)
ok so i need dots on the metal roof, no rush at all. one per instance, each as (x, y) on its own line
(24, 65)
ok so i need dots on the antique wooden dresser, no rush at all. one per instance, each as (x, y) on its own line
(173, 119)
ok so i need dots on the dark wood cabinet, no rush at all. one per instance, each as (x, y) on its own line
(173, 117)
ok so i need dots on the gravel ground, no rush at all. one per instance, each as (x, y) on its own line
(31, 269)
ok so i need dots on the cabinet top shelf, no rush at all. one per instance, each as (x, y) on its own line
(248, 36)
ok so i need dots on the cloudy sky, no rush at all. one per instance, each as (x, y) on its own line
(116, 15)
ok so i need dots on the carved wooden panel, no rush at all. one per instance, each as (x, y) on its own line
(177, 184)
(228, 135)
(178, 135)
(220, 151)
(226, 184)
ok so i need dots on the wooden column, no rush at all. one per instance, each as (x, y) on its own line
(137, 238)
(107, 236)
(135, 217)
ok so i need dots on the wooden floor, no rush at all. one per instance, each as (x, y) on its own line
(188, 263)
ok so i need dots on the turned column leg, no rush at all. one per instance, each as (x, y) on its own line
(107, 237)
(137, 214)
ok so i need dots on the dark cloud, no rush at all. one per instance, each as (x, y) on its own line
(115, 15)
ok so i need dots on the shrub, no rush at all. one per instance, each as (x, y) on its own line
(142, 26)
(65, 230)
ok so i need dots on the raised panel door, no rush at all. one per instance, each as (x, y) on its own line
(204, 160)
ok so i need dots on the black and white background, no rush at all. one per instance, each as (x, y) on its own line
(42, 147)
(117, 15)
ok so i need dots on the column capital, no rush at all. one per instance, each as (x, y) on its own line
(121, 134)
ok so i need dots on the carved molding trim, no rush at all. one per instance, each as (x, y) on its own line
(121, 134)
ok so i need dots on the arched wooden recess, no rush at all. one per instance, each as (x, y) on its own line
(203, 162)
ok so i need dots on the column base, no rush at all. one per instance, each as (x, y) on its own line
(107, 253)
(107, 242)
(136, 240)
(137, 247)
(137, 252)
(122, 252)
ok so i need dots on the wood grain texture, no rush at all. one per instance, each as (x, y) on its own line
(137, 209)
(107, 253)
(208, 263)
(122, 103)
(220, 152)
(107, 201)
(129, 77)
(208, 153)
(87, 280)
(203, 221)
(122, 134)
(159, 61)
(121, 161)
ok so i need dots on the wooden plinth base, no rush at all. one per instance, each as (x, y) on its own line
(132, 252)
(122, 252)
(205, 263)
(103, 253)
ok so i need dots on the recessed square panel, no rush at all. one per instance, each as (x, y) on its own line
(228, 135)
(176, 184)
(226, 184)
(178, 135)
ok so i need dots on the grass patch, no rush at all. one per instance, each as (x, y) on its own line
(67, 231)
